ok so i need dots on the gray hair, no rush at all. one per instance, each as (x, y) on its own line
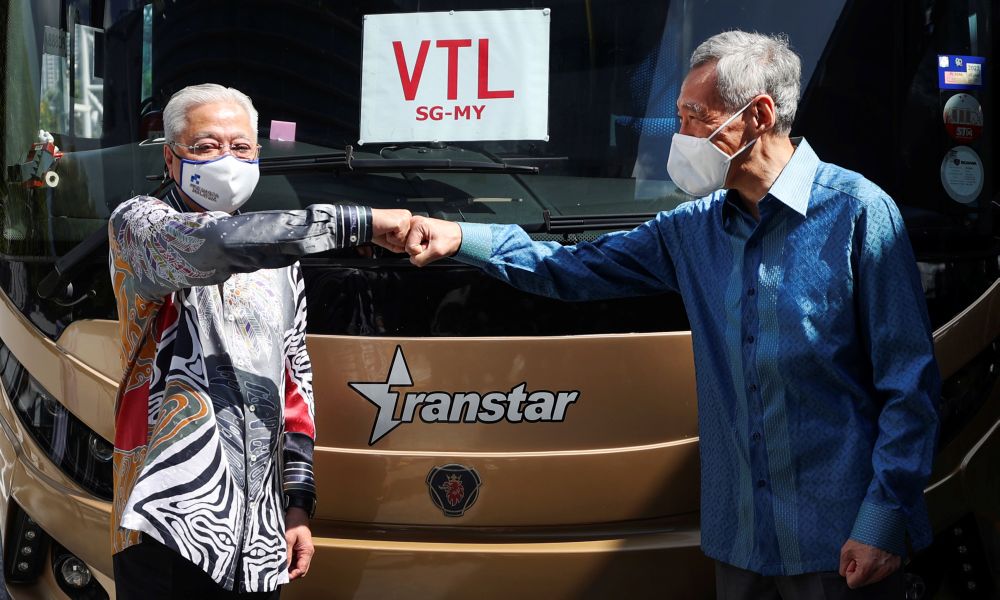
(748, 64)
(175, 113)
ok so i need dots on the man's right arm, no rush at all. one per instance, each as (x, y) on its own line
(168, 250)
(614, 265)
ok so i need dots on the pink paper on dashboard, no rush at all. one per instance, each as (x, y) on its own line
(283, 131)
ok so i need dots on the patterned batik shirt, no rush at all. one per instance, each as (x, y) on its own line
(817, 385)
(214, 416)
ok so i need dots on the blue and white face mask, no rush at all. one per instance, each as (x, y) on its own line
(223, 183)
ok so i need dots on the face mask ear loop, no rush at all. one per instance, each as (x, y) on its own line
(731, 119)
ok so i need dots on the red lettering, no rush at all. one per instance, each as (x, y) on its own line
(437, 113)
(462, 111)
(453, 46)
(484, 74)
(410, 82)
(479, 110)
(421, 113)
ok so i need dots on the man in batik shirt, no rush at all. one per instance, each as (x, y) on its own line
(214, 425)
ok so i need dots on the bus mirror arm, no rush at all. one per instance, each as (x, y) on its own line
(58, 284)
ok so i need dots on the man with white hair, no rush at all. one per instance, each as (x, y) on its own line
(817, 385)
(214, 430)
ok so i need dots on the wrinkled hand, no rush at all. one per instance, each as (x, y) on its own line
(300, 543)
(862, 564)
(390, 227)
(432, 239)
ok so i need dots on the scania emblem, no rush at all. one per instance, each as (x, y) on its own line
(454, 488)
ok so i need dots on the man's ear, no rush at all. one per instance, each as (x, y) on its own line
(168, 162)
(764, 113)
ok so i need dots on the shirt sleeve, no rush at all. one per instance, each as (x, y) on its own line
(300, 425)
(614, 265)
(897, 333)
(169, 250)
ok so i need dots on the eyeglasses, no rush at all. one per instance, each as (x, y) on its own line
(209, 150)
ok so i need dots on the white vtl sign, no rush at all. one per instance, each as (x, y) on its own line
(455, 76)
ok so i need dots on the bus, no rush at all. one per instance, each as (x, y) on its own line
(595, 498)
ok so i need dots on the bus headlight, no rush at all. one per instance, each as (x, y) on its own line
(74, 576)
(74, 573)
(78, 451)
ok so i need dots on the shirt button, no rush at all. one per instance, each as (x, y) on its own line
(252, 408)
(756, 436)
(761, 483)
(751, 292)
(750, 339)
(753, 387)
(354, 238)
(253, 458)
(232, 317)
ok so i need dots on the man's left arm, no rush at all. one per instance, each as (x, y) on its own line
(300, 434)
(896, 332)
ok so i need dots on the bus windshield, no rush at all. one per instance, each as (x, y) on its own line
(96, 75)
(105, 70)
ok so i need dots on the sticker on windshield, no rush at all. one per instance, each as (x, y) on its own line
(455, 76)
(514, 406)
(963, 117)
(960, 72)
(962, 174)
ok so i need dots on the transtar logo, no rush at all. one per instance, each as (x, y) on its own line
(515, 406)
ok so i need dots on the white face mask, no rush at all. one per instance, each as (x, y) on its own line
(223, 183)
(696, 165)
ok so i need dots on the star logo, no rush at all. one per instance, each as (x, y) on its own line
(379, 395)
(518, 405)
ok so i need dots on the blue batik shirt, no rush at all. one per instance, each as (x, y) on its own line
(817, 386)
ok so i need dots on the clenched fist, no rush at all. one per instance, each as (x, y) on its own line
(862, 564)
(431, 239)
(390, 227)
(300, 542)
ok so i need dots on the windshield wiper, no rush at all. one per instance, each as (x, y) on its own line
(346, 161)
(58, 284)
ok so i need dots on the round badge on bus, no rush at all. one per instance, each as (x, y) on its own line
(962, 174)
(454, 488)
(963, 117)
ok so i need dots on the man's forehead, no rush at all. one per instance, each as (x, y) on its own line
(219, 118)
(698, 91)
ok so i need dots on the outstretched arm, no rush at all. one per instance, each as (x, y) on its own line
(169, 250)
(614, 265)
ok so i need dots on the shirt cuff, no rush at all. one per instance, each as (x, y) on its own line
(477, 244)
(352, 225)
(881, 527)
(366, 233)
(299, 499)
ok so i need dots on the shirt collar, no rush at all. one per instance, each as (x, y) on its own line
(173, 199)
(794, 184)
